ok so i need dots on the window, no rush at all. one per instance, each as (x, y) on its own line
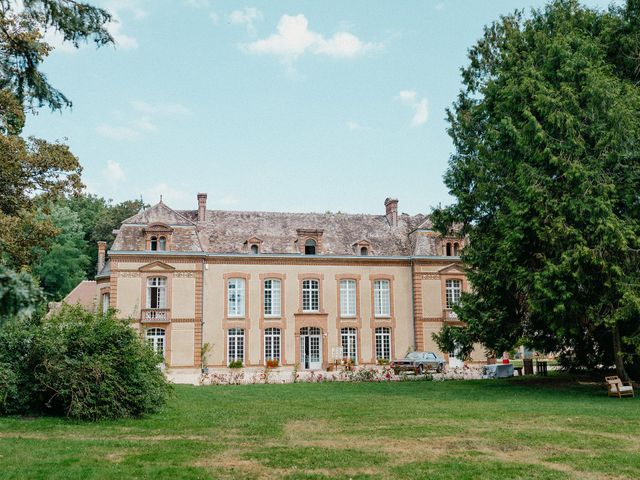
(272, 298)
(105, 302)
(381, 302)
(456, 249)
(235, 345)
(349, 342)
(235, 297)
(162, 243)
(310, 296)
(453, 290)
(383, 343)
(347, 298)
(154, 243)
(364, 251)
(272, 344)
(254, 249)
(157, 292)
(448, 252)
(155, 339)
(310, 247)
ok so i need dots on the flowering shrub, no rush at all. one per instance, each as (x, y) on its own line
(272, 363)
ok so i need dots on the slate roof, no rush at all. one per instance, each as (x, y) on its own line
(228, 231)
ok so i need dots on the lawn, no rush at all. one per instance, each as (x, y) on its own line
(516, 428)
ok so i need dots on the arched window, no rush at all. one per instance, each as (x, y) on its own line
(157, 292)
(448, 253)
(310, 247)
(254, 249)
(310, 296)
(364, 251)
(162, 243)
(456, 249)
(154, 243)
(272, 344)
(349, 338)
(155, 339)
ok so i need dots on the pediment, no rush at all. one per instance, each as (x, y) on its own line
(253, 240)
(453, 268)
(156, 266)
(158, 227)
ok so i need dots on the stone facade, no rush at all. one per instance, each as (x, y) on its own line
(301, 289)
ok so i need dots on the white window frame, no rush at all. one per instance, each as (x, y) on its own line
(156, 338)
(157, 292)
(272, 344)
(383, 343)
(311, 295)
(382, 298)
(236, 297)
(348, 297)
(235, 345)
(453, 292)
(349, 342)
(272, 297)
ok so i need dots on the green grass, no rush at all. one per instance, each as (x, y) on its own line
(518, 428)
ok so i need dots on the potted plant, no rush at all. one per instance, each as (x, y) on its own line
(206, 348)
(235, 364)
(272, 363)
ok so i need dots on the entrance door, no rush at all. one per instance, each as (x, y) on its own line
(310, 348)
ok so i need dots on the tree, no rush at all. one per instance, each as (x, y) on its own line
(35, 167)
(62, 265)
(546, 175)
(19, 295)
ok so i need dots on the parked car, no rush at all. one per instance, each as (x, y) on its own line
(418, 362)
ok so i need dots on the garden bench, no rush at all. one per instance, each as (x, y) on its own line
(618, 388)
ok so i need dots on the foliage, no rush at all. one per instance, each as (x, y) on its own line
(273, 363)
(63, 264)
(79, 364)
(235, 364)
(545, 175)
(19, 294)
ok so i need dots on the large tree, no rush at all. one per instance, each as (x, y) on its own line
(546, 178)
(30, 167)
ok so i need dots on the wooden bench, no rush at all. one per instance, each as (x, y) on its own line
(519, 370)
(618, 388)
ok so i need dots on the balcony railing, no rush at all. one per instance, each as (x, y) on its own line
(449, 314)
(155, 315)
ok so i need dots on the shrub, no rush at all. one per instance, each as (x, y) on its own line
(273, 363)
(235, 364)
(81, 365)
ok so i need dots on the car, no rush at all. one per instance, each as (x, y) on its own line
(419, 362)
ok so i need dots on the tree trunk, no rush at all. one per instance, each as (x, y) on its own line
(617, 354)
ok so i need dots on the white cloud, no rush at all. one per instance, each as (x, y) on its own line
(120, 38)
(141, 120)
(132, 7)
(420, 106)
(56, 40)
(294, 39)
(113, 172)
(247, 16)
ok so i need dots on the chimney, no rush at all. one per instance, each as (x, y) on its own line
(102, 251)
(202, 207)
(392, 211)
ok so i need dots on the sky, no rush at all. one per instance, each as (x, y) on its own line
(269, 105)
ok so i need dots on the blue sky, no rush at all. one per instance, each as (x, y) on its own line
(269, 105)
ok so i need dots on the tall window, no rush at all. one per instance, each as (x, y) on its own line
(364, 251)
(347, 298)
(349, 342)
(456, 249)
(310, 247)
(272, 344)
(235, 297)
(155, 339)
(157, 292)
(254, 249)
(453, 290)
(105, 302)
(272, 298)
(154, 243)
(310, 296)
(381, 299)
(235, 345)
(162, 243)
(383, 343)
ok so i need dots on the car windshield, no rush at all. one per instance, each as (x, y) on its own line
(414, 355)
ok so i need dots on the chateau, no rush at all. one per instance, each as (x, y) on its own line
(289, 288)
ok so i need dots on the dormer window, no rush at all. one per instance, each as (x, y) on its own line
(310, 247)
(448, 249)
(154, 244)
(158, 237)
(255, 249)
(456, 249)
(364, 251)
(253, 245)
(362, 247)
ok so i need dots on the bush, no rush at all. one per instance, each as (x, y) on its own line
(235, 364)
(81, 365)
